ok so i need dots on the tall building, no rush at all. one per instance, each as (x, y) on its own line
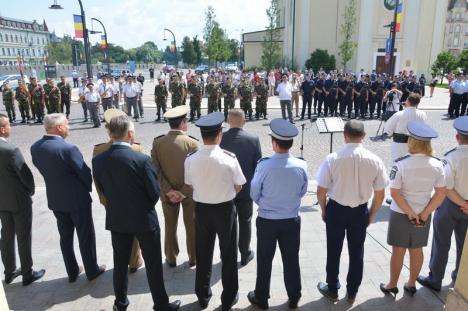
(308, 25)
(22, 39)
(456, 27)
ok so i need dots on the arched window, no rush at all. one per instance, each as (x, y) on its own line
(456, 41)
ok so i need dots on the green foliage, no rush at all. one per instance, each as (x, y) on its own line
(197, 49)
(463, 61)
(208, 33)
(444, 63)
(188, 51)
(321, 59)
(61, 52)
(271, 48)
(348, 28)
(147, 52)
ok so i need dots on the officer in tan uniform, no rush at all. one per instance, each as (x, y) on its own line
(136, 260)
(169, 153)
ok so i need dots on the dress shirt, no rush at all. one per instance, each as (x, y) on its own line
(107, 90)
(284, 91)
(416, 176)
(458, 87)
(3, 138)
(278, 186)
(295, 85)
(213, 173)
(351, 174)
(92, 97)
(398, 123)
(121, 143)
(456, 170)
(130, 90)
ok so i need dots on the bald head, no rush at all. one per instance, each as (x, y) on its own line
(354, 131)
(236, 118)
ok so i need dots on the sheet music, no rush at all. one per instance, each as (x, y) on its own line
(330, 125)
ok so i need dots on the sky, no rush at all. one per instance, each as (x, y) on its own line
(130, 23)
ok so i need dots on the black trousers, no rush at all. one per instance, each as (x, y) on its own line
(75, 82)
(244, 209)
(321, 100)
(454, 105)
(331, 104)
(363, 105)
(285, 232)
(150, 243)
(316, 96)
(464, 104)
(341, 220)
(65, 102)
(213, 220)
(82, 221)
(19, 224)
(306, 102)
(346, 104)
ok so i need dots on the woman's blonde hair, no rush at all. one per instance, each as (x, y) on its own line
(419, 146)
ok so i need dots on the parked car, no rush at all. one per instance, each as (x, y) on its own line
(12, 80)
(232, 67)
(201, 69)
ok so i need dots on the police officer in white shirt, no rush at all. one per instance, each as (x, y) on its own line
(350, 177)
(139, 87)
(106, 91)
(82, 98)
(93, 99)
(131, 93)
(452, 215)
(115, 91)
(418, 187)
(396, 126)
(284, 91)
(216, 178)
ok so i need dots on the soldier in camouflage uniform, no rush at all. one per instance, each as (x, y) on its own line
(37, 99)
(46, 89)
(245, 95)
(177, 91)
(261, 92)
(160, 97)
(31, 103)
(212, 92)
(23, 98)
(220, 85)
(184, 88)
(54, 98)
(230, 95)
(65, 95)
(9, 102)
(195, 91)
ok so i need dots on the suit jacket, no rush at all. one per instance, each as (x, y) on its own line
(67, 177)
(128, 180)
(16, 179)
(100, 148)
(169, 153)
(247, 149)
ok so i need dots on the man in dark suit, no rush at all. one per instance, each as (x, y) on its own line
(247, 149)
(16, 189)
(128, 180)
(68, 184)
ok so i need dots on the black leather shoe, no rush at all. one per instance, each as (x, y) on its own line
(101, 270)
(256, 302)
(389, 291)
(10, 277)
(248, 258)
(73, 278)
(192, 264)
(204, 304)
(326, 292)
(293, 304)
(175, 305)
(227, 308)
(424, 281)
(172, 265)
(351, 298)
(34, 276)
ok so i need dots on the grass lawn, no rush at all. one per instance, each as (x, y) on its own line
(443, 85)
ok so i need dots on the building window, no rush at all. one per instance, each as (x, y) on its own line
(37, 39)
(34, 52)
(6, 38)
(8, 50)
(457, 29)
(3, 51)
(455, 41)
(1, 36)
(451, 29)
(466, 44)
(11, 38)
(43, 41)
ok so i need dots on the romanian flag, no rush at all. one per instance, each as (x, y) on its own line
(78, 23)
(103, 42)
(172, 46)
(399, 11)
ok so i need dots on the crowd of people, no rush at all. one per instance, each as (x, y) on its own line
(216, 183)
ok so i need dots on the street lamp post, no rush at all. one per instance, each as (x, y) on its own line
(89, 70)
(175, 45)
(106, 51)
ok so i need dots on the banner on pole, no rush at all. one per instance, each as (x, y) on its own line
(78, 25)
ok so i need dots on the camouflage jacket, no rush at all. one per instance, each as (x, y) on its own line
(36, 93)
(245, 92)
(54, 94)
(8, 96)
(46, 89)
(195, 89)
(21, 95)
(261, 91)
(160, 92)
(229, 91)
(65, 89)
(212, 90)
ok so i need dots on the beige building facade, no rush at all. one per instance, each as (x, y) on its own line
(456, 27)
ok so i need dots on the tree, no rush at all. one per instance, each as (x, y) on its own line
(348, 28)
(444, 63)
(61, 52)
(233, 47)
(321, 59)
(271, 55)
(208, 32)
(188, 51)
(147, 52)
(463, 61)
(197, 50)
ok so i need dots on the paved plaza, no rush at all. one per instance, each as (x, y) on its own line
(53, 292)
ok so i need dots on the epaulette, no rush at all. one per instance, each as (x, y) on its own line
(402, 158)
(229, 153)
(450, 151)
(435, 158)
(193, 138)
(188, 155)
(300, 158)
(159, 136)
(99, 144)
(262, 159)
(135, 143)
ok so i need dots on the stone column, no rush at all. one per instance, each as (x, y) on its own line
(365, 51)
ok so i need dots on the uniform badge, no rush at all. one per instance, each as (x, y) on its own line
(444, 162)
(393, 172)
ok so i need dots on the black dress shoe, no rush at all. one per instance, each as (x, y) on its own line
(34, 276)
(256, 302)
(227, 308)
(410, 289)
(351, 298)
(10, 277)
(389, 291)
(248, 258)
(175, 305)
(73, 278)
(101, 270)
(293, 304)
(170, 264)
(192, 264)
(204, 304)
(326, 292)
(425, 281)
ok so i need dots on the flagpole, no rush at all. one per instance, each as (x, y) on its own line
(175, 46)
(393, 34)
(106, 51)
(89, 69)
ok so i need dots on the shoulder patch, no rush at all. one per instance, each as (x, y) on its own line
(435, 158)
(444, 162)
(194, 138)
(393, 172)
(188, 155)
(450, 151)
(229, 153)
(402, 158)
(263, 159)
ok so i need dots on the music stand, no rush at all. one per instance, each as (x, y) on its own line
(330, 126)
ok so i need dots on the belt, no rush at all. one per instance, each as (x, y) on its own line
(131, 97)
(400, 138)
(107, 97)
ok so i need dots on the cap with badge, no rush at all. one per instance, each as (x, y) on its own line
(461, 125)
(211, 122)
(283, 130)
(421, 131)
(112, 113)
(176, 113)
(89, 84)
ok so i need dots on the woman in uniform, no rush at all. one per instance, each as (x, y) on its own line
(413, 179)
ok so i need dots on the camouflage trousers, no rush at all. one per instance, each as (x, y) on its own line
(195, 107)
(23, 106)
(228, 105)
(37, 110)
(160, 105)
(261, 107)
(54, 107)
(247, 107)
(10, 109)
(176, 101)
(212, 104)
